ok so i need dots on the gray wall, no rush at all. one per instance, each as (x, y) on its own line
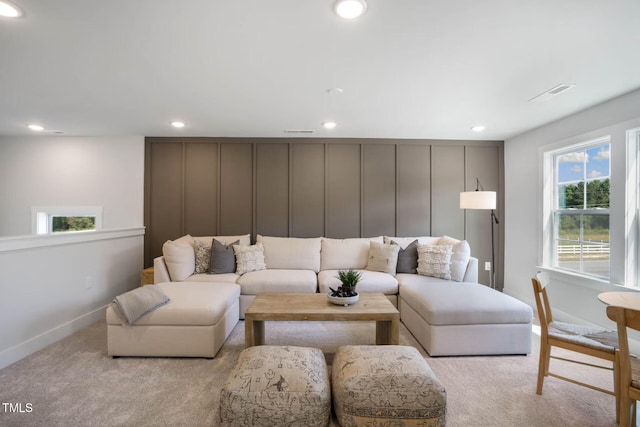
(310, 187)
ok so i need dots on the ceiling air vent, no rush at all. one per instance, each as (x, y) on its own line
(298, 131)
(557, 90)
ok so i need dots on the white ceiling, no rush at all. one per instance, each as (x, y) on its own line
(252, 68)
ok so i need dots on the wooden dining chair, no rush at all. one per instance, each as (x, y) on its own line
(628, 365)
(590, 340)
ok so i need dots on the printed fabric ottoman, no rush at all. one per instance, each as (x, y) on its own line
(277, 386)
(386, 385)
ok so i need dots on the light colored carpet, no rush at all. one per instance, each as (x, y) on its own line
(74, 383)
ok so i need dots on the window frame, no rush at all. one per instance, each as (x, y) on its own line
(632, 207)
(552, 210)
(42, 217)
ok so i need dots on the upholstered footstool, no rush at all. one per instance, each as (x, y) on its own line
(386, 385)
(194, 323)
(277, 386)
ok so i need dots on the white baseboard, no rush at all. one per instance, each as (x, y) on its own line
(30, 346)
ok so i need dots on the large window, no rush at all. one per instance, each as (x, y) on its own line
(580, 208)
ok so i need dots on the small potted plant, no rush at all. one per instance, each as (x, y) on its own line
(346, 294)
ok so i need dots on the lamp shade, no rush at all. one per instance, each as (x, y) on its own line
(478, 200)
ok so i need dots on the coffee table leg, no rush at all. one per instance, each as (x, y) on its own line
(258, 332)
(388, 332)
(383, 332)
(248, 332)
(253, 332)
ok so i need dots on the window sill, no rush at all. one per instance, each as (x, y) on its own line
(583, 280)
(16, 243)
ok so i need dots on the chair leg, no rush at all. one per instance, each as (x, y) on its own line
(543, 365)
(616, 385)
(627, 411)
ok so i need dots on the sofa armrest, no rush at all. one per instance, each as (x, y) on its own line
(471, 275)
(160, 272)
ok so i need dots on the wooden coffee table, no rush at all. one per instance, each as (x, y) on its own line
(295, 307)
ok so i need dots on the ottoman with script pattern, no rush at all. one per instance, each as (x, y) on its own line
(277, 386)
(386, 385)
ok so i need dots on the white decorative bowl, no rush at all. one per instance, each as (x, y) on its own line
(343, 300)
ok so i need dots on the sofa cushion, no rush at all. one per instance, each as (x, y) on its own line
(222, 258)
(461, 252)
(383, 258)
(179, 257)
(291, 253)
(213, 278)
(434, 260)
(442, 302)
(189, 304)
(372, 281)
(343, 254)
(278, 281)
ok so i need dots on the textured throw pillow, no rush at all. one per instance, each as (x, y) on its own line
(249, 258)
(383, 257)
(408, 259)
(435, 261)
(203, 255)
(223, 259)
(461, 252)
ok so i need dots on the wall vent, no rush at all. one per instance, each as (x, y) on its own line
(557, 90)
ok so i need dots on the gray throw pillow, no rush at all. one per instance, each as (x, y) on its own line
(408, 258)
(222, 258)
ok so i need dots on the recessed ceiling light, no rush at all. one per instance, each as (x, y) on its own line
(335, 90)
(35, 127)
(329, 125)
(178, 125)
(478, 128)
(349, 9)
(8, 10)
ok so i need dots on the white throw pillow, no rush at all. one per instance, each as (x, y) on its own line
(291, 253)
(179, 257)
(435, 261)
(461, 252)
(249, 258)
(383, 257)
(343, 254)
(406, 241)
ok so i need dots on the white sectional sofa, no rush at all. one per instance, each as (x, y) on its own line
(453, 315)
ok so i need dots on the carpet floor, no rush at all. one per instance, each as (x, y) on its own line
(74, 383)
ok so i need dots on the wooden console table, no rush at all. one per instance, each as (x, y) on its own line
(296, 307)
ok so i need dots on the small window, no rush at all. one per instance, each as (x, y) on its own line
(67, 219)
(580, 208)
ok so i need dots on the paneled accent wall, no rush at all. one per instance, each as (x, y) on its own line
(311, 187)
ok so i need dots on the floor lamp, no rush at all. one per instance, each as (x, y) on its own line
(480, 199)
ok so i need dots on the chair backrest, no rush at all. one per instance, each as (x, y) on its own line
(624, 318)
(539, 282)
